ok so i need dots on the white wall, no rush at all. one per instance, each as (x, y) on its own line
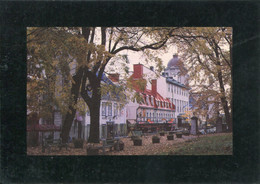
(161, 81)
(179, 99)
(131, 110)
(119, 119)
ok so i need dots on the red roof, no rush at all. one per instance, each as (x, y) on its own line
(157, 97)
(43, 128)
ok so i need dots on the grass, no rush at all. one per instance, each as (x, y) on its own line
(221, 144)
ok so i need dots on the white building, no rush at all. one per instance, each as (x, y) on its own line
(111, 110)
(177, 89)
(155, 108)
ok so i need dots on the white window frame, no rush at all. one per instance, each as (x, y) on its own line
(109, 111)
(104, 108)
(115, 109)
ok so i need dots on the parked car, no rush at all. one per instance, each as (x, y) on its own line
(202, 131)
(211, 130)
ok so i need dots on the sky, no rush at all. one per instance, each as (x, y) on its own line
(136, 57)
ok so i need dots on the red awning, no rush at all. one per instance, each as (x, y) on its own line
(43, 128)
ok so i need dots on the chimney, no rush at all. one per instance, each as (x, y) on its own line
(138, 71)
(114, 77)
(151, 68)
(154, 87)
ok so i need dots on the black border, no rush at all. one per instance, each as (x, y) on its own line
(16, 166)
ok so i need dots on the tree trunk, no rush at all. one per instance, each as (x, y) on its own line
(222, 90)
(79, 129)
(224, 101)
(231, 86)
(93, 102)
(66, 126)
(227, 114)
(94, 120)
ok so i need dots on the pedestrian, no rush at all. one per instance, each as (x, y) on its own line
(79, 120)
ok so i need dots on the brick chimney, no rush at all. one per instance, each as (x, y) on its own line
(154, 87)
(138, 71)
(114, 77)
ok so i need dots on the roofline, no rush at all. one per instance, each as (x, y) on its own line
(148, 69)
(176, 83)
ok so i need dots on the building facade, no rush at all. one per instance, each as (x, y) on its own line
(177, 90)
(154, 106)
(111, 110)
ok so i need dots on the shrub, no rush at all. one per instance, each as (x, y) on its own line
(134, 137)
(162, 133)
(156, 139)
(137, 141)
(170, 137)
(186, 132)
(179, 135)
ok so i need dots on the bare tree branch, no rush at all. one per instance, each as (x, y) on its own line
(151, 46)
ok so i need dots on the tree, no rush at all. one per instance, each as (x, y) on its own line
(90, 49)
(113, 40)
(47, 69)
(207, 53)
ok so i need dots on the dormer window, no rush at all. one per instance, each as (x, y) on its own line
(152, 100)
(147, 99)
(157, 103)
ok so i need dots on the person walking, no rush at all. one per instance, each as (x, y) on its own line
(79, 120)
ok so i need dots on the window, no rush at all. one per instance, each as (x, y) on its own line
(115, 109)
(109, 109)
(147, 100)
(121, 112)
(174, 89)
(104, 109)
(152, 100)
(169, 87)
